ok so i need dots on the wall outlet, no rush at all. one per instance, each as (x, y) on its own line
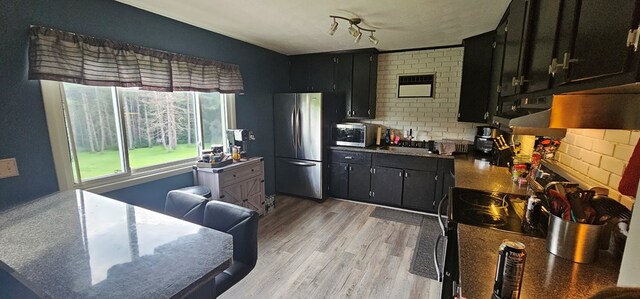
(8, 168)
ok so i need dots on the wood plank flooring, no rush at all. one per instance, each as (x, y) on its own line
(332, 250)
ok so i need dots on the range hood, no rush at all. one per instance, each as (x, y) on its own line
(605, 108)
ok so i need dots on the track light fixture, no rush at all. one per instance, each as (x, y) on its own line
(354, 29)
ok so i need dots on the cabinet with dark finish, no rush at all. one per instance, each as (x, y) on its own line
(512, 65)
(544, 16)
(598, 39)
(496, 69)
(344, 78)
(416, 186)
(349, 175)
(386, 186)
(339, 180)
(311, 73)
(476, 78)
(418, 192)
(363, 90)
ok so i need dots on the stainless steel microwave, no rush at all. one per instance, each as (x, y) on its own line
(353, 134)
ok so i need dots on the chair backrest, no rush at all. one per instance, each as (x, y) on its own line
(241, 223)
(185, 206)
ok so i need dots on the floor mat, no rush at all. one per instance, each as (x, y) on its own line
(422, 262)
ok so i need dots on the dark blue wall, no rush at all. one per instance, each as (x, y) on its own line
(23, 128)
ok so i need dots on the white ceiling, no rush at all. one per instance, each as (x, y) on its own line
(298, 27)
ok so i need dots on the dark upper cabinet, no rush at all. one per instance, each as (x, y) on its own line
(543, 17)
(322, 73)
(344, 78)
(511, 69)
(386, 186)
(312, 73)
(476, 78)
(419, 190)
(300, 73)
(600, 43)
(496, 69)
(363, 90)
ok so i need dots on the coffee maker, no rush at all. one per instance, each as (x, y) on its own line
(483, 142)
(240, 138)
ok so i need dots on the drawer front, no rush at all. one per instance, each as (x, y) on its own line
(241, 174)
(351, 157)
(405, 162)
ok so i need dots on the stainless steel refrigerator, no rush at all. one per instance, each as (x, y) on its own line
(301, 124)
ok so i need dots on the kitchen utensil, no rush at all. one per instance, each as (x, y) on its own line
(576, 207)
(561, 206)
(578, 242)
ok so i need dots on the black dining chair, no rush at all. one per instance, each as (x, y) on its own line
(242, 224)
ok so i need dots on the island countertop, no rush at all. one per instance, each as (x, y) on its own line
(546, 275)
(76, 244)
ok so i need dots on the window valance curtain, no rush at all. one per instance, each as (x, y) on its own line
(69, 57)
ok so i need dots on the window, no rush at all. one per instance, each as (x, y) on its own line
(107, 135)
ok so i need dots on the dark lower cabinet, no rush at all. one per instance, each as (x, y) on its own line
(359, 182)
(386, 186)
(419, 190)
(339, 180)
(409, 182)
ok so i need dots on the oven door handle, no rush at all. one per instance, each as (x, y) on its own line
(440, 222)
(435, 258)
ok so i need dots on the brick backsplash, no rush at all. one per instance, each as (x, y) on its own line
(431, 118)
(600, 155)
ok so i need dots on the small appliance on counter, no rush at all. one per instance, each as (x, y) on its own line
(238, 141)
(483, 141)
(353, 134)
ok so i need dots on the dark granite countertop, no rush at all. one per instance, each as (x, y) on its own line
(405, 151)
(546, 275)
(472, 173)
(76, 244)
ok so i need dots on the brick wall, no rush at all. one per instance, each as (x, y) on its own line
(433, 118)
(599, 155)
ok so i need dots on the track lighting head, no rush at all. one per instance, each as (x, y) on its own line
(373, 39)
(334, 26)
(358, 36)
(354, 29)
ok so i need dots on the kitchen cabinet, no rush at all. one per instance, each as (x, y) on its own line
(496, 69)
(363, 90)
(240, 183)
(417, 192)
(412, 181)
(349, 175)
(595, 43)
(312, 73)
(476, 78)
(386, 186)
(544, 16)
(352, 76)
(515, 39)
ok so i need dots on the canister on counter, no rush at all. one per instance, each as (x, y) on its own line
(509, 271)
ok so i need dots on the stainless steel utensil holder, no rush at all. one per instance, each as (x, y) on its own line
(573, 241)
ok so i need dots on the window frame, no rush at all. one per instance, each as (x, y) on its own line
(54, 102)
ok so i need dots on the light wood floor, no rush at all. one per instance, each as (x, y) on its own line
(332, 250)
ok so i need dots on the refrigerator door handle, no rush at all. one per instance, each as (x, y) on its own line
(300, 163)
(293, 132)
(298, 125)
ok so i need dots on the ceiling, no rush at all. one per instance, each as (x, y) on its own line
(299, 27)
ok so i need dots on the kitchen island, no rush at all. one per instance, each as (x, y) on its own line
(545, 275)
(76, 244)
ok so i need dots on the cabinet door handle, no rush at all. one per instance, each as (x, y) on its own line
(567, 60)
(406, 174)
(348, 157)
(350, 168)
(369, 112)
(436, 177)
(400, 174)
